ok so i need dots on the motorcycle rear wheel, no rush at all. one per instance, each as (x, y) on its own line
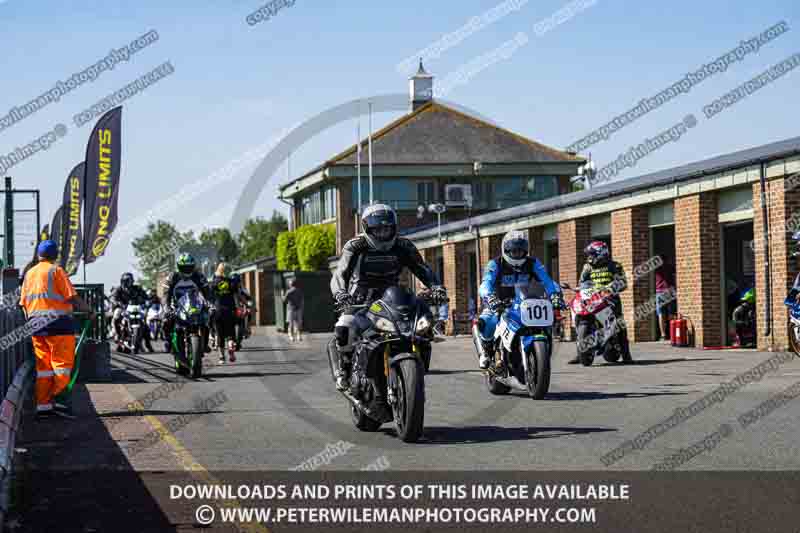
(494, 386)
(409, 410)
(362, 421)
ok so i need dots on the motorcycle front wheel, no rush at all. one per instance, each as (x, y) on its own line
(137, 341)
(409, 409)
(794, 338)
(196, 356)
(537, 378)
(181, 365)
(584, 332)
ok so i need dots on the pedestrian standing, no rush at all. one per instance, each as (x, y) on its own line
(293, 298)
(665, 295)
(48, 297)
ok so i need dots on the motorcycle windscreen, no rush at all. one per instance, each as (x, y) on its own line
(192, 303)
(531, 288)
(400, 299)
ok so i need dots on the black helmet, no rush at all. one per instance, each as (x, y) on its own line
(186, 264)
(379, 223)
(126, 280)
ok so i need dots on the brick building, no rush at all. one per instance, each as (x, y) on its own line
(706, 216)
(435, 154)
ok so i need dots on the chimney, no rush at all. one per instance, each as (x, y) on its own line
(420, 88)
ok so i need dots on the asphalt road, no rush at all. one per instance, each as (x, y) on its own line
(276, 408)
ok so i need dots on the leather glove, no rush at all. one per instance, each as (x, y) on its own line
(557, 299)
(494, 303)
(439, 294)
(343, 300)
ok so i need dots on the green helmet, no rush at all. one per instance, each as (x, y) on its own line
(186, 264)
(749, 296)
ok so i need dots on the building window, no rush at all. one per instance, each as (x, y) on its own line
(399, 193)
(482, 193)
(513, 191)
(318, 206)
(426, 193)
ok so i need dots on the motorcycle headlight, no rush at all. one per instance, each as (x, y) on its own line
(385, 325)
(423, 325)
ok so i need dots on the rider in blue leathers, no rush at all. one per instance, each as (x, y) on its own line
(513, 268)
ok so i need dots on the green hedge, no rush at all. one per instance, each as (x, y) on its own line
(286, 251)
(307, 248)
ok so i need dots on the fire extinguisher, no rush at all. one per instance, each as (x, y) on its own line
(679, 331)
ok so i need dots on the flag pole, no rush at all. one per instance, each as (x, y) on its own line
(371, 197)
(358, 161)
(84, 209)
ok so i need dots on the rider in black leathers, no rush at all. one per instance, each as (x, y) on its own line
(128, 293)
(368, 265)
(223, 294)
(185, 278)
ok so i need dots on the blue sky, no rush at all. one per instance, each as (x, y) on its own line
(235, 86)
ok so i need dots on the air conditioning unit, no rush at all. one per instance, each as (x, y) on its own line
(458, 195)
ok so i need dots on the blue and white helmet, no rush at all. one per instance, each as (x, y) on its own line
(515, 248)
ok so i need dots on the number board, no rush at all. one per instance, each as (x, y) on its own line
(536, 313)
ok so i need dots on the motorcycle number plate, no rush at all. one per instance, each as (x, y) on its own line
(536, 313)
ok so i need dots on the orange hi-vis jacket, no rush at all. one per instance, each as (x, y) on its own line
(47, 291)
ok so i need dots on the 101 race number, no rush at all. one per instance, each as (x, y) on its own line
(537, 313)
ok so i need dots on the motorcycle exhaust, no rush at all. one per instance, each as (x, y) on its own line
(476, 338)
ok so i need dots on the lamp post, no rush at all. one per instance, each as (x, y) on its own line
(438, 209)
(587, 173)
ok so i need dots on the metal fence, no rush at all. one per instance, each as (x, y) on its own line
(94, 294)
(13, 352)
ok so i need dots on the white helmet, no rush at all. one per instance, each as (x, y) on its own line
(515, 248)
(379, 223)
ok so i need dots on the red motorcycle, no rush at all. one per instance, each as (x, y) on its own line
(598, 330)
(243, 312)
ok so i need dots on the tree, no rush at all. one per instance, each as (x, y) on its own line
(259, 237)
(156, 249)
(223, 241)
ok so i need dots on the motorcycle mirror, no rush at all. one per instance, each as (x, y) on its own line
(566, 286)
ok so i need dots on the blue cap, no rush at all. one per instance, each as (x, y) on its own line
(47, 249)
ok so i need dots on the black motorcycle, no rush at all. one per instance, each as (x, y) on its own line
(387, 381)
(191, 326)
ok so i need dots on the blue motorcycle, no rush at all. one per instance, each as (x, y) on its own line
(794, 317)
(523, 341)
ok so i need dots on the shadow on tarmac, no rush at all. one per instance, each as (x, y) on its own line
(487, 434)
(592, 395)
(61, 484)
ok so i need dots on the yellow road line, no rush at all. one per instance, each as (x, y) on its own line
(188, 462)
